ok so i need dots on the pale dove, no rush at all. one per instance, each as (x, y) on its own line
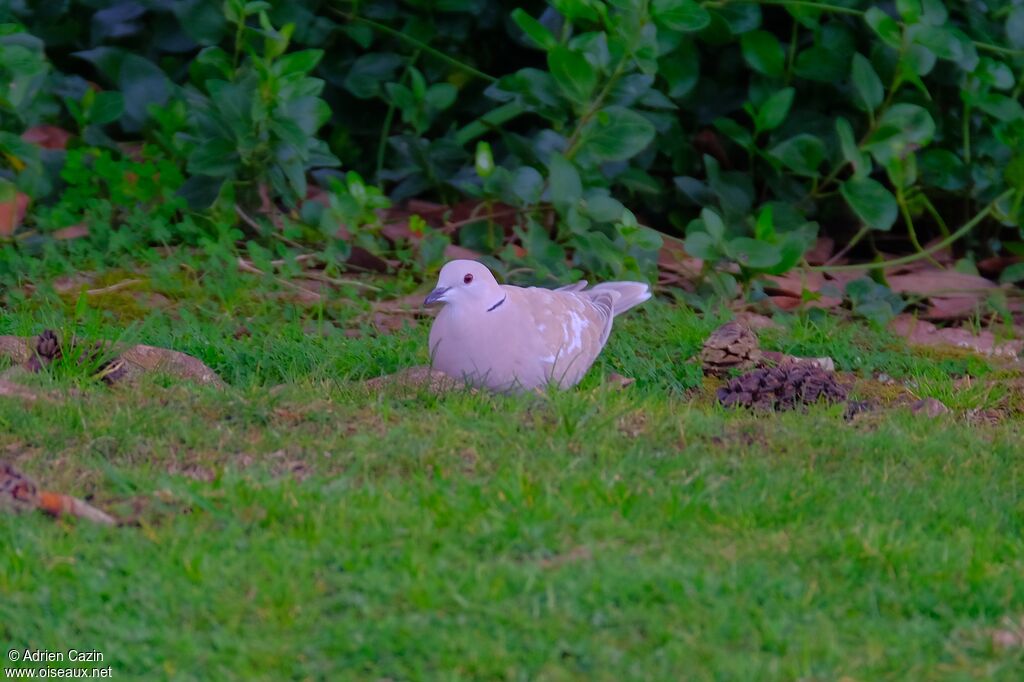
(505, 337)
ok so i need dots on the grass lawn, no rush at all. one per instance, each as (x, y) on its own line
(298, 526)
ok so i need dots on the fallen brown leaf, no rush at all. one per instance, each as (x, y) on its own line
(456, 252)
(76, 231)
(994, 266)
(951, 295)
(821, 251)
(923, 333)
(47, 137)
(12, 212)
(756, 321)
(793, 284)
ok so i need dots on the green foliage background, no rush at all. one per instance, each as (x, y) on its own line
(746, 128)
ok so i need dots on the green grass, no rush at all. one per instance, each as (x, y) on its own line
(318, 531)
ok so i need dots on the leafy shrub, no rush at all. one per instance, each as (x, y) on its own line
(749, 128)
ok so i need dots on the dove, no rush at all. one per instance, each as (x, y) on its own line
(509, 338)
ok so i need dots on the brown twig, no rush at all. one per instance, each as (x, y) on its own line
(123, 284)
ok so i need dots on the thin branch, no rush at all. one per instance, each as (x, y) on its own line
(415, 42)
(123, 284)
(938, 246)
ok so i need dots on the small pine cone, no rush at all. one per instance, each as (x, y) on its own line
(18, 493)
(47, 349)
(731, 346)
(48, 345)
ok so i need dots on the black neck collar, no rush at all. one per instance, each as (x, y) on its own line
(497, 304)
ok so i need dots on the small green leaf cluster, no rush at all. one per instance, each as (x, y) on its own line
(253, 121)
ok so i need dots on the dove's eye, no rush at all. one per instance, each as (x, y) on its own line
(468, 279)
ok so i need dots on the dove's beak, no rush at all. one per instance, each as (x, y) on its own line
(436, 295)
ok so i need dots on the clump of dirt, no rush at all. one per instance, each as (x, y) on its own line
(783, 387)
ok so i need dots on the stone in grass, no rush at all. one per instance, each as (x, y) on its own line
(783, 387)
(929, 407)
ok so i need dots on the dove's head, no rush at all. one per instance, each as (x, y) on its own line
(465, 282)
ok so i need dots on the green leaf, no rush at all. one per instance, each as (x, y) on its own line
(1001, 107)
(534, 29)
(203, 21)
(680, 69)
(910, 10)
(752, 253)
(702, 245)
(713, 224)
(934, 12)
(680, 15)
(822, 64)
(1015, 27)
(739, 17)
(901, 125)
(573, 73)
(801, 153)
(1012, 274)
(867, 83)
(574, 9)
(107, 107)
(943, 169)
(763, 53)
(885, 26)
(143, 83)
(872, 202)
(735, 132)
(617, 134)
(733, 189)
(301, 62)
(217, 157)
(851, 152)
(764, 228)
(947, 43)
(874, 301)
(365, 76)
(602, 208)
(440, 96)
(773, 112)
(564, 182)
(525, 185)
(484, 160)
(792, 248)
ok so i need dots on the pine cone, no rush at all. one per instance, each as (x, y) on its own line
(731, 346)
(18, 493)
(782, 388)
(46, 351)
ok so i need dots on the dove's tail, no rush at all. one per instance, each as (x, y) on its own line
(630, 294)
